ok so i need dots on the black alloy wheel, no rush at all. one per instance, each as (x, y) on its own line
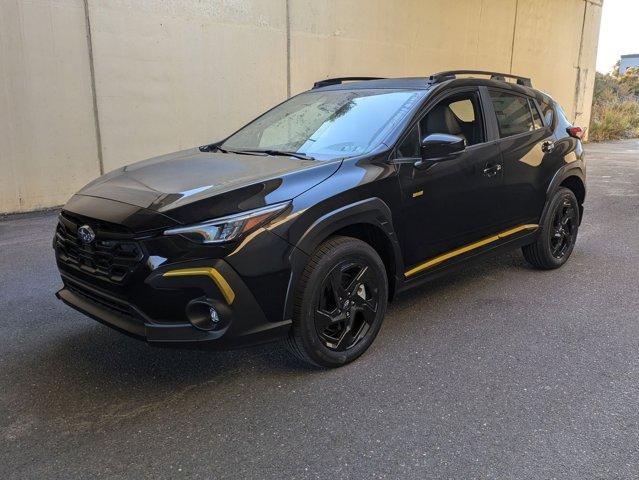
(557, 233)
(340, 303)
(564, 228)
(346, 305)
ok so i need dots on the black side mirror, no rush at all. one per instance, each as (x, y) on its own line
(440, 146)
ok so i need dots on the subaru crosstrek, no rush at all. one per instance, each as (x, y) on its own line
(303, 224)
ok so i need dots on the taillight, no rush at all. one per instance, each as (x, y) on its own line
(576, 132)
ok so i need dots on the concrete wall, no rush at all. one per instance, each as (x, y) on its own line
(48, 142)
(90, 86)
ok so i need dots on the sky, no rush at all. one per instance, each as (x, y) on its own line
(619, 34)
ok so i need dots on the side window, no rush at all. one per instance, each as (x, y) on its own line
(456, 115)
(535, 113)
(463, 110)
(513, 113)
(547, 112)
(409, 148)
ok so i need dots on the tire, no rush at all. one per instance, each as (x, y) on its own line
(558, 234)
(341, 297)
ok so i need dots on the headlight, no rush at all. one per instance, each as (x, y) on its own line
(228, 228)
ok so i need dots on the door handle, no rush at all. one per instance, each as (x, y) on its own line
(547, 146)
(492, 170)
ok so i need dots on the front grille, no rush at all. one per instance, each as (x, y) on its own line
(111, 256)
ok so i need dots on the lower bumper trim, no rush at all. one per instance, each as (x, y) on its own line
(129, 325)
(179, 334)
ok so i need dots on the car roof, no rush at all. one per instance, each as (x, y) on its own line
(413, 83)
(424, 83)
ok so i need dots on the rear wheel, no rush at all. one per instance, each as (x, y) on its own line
(339, 304)
(558, 232)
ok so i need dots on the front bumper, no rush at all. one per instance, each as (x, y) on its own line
(242, 321)
(146, 284)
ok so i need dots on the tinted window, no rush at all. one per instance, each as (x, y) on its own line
(535, 113)
(547, 112)
(328, 124)
(409, 148)
(513, 113)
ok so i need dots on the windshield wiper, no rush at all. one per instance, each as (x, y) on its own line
(283, 153)
(216, 148)
(212, 147)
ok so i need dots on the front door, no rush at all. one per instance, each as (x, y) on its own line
(454, 202)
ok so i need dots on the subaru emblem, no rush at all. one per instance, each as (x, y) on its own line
(86, 234)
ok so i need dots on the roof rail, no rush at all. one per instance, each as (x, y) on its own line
(451, 74)
(340, 80)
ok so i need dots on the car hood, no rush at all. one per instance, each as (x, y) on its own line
(192, 185)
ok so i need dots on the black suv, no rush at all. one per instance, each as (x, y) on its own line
(303, 224)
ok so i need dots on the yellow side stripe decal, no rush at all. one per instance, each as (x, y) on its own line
(220, 281)
(467, 248)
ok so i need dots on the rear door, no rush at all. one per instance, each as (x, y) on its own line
(526, 144)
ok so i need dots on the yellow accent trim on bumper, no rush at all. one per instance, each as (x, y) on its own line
(467, 248)
(220, 281)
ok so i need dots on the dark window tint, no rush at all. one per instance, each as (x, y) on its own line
(513, 114)
(535, 113)
(547, 112)
(409, 148)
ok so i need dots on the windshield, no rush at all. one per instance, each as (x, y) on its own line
(328, 124)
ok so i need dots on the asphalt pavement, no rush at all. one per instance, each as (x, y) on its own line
(499, 371)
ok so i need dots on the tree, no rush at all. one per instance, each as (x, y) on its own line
(629, 83)
(615, 69)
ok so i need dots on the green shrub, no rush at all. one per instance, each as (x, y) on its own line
(615, 108)
(614, 120)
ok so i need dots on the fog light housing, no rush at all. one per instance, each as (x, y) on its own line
(203, 315)
(215, 318)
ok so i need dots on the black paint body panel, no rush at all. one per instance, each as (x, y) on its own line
(415, 213)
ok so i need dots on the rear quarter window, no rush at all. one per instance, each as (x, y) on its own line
(535, 113)
(547, 112)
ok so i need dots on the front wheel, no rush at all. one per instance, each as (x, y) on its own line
(558, 233)
(339, 304)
